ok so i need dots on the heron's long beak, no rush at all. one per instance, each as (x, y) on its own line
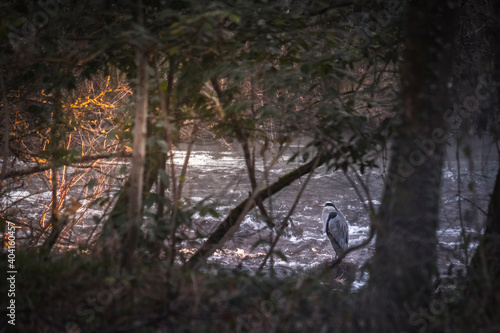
(319, 206)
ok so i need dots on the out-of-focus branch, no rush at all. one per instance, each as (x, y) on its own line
(76, 160)
(6, 125)
(249, 161)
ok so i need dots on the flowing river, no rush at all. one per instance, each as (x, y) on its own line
(218, 175)
(221, 175)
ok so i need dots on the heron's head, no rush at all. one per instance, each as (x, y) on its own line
(330, 204)
(327, 204)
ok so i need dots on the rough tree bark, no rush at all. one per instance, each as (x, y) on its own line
(403, 265)
(484, 286)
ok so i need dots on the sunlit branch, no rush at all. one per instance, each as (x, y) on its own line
(76, 160)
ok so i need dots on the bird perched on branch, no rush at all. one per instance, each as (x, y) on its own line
(336, 228)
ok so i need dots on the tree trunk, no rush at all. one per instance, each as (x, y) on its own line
(116, 223)
(138, 161)
(403, 265)
(483, 272)
(484, 269)
(57, 135)
(155, 160)
(55, 219)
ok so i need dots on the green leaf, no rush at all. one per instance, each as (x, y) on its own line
(164, 178)
(164, 84)
(150, 199)
(235, 18)
(163, 146)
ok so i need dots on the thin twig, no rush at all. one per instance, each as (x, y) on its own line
(284, 223)
(473, 204)
(459, 184)
(368, 207)
(165, 111)
(186, 161)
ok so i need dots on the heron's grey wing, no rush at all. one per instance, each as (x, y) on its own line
(339, 229)
(334, 233)
(336, 246)
(325, 215)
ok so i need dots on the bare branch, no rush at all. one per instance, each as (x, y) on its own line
(76, 160)
(235, 216)
(284, 224)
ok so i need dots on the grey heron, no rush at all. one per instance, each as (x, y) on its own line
(336, 228)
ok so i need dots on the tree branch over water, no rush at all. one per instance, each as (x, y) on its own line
(234, 218)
